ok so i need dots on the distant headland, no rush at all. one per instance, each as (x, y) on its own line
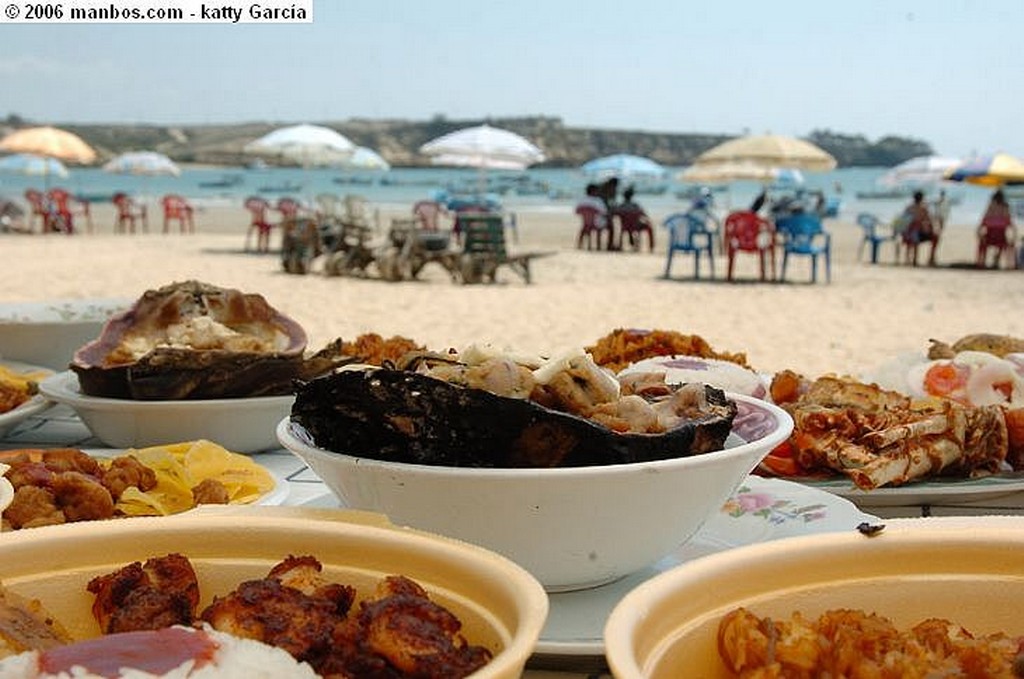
(398, 141)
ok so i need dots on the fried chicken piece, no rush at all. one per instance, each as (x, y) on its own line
(275, 614)
(26, 473)
(373, 349)
(210, 492)
(33, 506)
(126, 471)
(82, 497)
(70, 460)
(162, 592)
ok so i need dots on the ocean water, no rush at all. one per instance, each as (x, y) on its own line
(534, 189)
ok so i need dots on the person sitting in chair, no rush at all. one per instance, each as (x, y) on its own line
(632, 221)
(920, 229)
(996, 231)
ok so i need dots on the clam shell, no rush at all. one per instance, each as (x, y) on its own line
(176, 372)
(407, 417)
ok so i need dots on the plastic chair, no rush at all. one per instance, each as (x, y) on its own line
(179, 209)
(746, 231)
(632, 224)
(39, 208)
(259, 223)
(62, 210)
(999, 237)
(803, 234)
(592, 223)
(128, 212)
(872, 237)
(689, 233)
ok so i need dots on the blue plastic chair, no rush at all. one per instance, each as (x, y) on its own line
(803, 234)
(689, 233)
(872, 237)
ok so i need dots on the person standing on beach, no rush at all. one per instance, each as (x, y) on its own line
(920, 229)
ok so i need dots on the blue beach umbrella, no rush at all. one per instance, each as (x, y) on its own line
(146, 163)
(624, 166)
(33, 165)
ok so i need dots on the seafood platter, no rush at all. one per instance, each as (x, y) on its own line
(475, 487)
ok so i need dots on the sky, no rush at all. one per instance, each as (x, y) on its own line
(942, 71)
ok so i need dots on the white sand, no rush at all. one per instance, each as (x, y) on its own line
(864, 317)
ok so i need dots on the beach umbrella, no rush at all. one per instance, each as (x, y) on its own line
(770, 152)
(483, 147)
(33, 165)
(624, 166)
(49, 141)
(364, 158)
(920, 170)
(147, 163)
(727, 171)
(307, 145)
(993, 170)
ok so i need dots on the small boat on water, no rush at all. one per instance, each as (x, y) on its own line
(226, 181)
(285, 187)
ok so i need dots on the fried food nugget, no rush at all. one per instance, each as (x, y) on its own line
(160, 593)
(373, 349)
(623, 346)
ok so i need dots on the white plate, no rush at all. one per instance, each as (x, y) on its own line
(948, 491)
(34, 405)
(759, 511)
(242, 425)
(48, 333)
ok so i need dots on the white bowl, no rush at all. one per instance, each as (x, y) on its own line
(967, 570)
(573, 527)
(33, 406)
(49, 333)
(501, 606)
(242, 425)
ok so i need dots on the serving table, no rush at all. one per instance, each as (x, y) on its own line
(59, 426)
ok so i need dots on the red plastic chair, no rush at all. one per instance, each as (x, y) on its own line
(592, 222)
(747, 232)
(259, 211)
(37, 203)
(63, 208)
(176, 208)
(128, 212)
(1001, 237)
(633, 222)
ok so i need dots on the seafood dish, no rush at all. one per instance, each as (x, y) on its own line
(725, 375)
(396, 630)
(851, 642)
(480, 408)
(622, 346)
(879, 437)
(193, 340)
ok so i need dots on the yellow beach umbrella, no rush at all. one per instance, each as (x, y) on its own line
(768, 152)
(994, 170)
(49, 141)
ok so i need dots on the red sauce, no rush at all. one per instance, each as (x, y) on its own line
(156, 652)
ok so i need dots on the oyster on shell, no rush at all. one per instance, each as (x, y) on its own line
(405, 416)
(193, 340)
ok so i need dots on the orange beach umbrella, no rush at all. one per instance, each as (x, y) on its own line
(49, 141)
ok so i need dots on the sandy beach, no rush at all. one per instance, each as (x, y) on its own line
(865, 317)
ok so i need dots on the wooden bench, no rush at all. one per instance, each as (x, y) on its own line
(484, 249)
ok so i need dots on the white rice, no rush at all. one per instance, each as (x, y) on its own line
(235, 659)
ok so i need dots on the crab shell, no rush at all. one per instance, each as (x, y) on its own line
(402, 416)
(175, 372)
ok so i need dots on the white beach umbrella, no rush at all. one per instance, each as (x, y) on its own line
(32, 165)
(364, 158)
(920, 170)
(307, 145)
(149, 163)
(483, 147)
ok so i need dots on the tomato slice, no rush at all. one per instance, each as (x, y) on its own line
(781, 461)
(946, 379)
